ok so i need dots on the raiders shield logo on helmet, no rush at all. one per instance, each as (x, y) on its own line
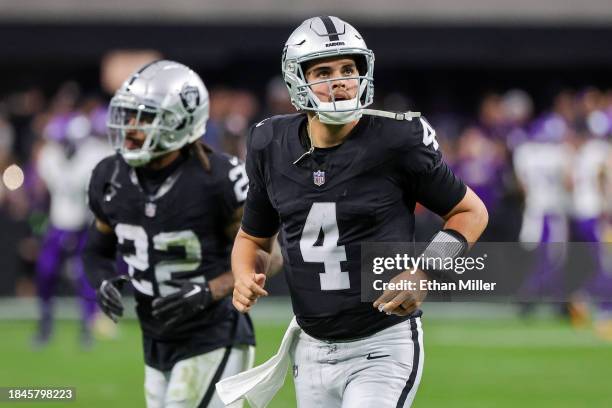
(190, 96)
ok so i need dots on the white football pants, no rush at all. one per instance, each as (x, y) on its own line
(191, 382)
(379, 371)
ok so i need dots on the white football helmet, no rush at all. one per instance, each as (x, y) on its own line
(323, 37)
(165, 100)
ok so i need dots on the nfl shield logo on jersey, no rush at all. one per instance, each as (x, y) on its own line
(318, 177)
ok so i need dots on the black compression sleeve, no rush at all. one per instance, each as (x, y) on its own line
(99, 256)
(440, 190)
(260, 219)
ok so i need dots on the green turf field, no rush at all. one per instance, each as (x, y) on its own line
(469, 363)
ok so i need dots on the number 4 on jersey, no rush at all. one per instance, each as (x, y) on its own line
(322, 220)
(429, 134)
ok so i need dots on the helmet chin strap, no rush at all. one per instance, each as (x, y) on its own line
(392, 115)
(341, 118)
(338, 118)
(343, 112)
(340, 112)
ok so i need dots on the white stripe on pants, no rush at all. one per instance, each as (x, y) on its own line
(189, 380)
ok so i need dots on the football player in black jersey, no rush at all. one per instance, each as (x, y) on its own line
(171, 208)
(328, 178)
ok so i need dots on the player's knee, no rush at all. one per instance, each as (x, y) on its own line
(154, 398)
(155, 388)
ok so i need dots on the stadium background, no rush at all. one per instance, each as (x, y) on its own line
(455, 61)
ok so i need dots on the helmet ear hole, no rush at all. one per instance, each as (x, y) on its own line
(182, 125)
(364, 98)
(361, 63)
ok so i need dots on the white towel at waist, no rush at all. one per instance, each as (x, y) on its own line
(259, 384)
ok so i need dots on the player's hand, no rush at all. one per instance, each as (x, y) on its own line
(402, 302)
(192, 298)
(247, 289)
(109, 297)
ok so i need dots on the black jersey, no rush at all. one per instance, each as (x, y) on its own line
(178, 232)
(326, 205)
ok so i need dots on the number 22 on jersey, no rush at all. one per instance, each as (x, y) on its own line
(139, 260)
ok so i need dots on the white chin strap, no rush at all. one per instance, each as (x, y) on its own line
(329, 114)
(392, 115)
(331, 117)
(136, 158)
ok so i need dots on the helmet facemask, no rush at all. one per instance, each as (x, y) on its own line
(332, 112)
(164, 130)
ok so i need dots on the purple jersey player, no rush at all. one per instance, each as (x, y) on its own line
(542, 168)
(64, 164)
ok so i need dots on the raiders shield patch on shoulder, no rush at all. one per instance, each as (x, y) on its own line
(190, 96)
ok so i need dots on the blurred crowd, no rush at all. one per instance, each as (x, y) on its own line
(483, 148)
(527, 165)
